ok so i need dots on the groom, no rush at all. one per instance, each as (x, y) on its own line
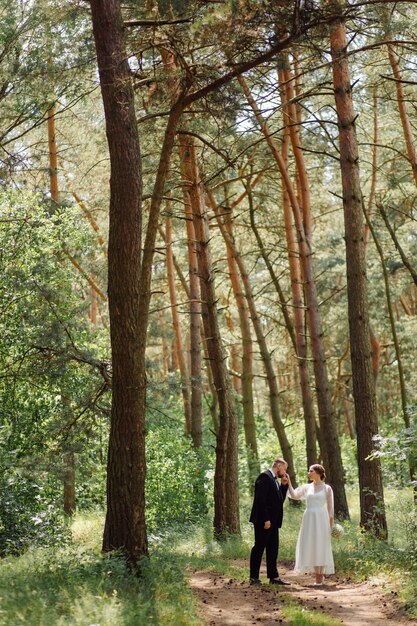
(266, 516)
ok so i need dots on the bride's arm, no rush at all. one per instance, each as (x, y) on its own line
(298, 493)
(330, 504)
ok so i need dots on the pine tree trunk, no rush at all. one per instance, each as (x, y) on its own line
(372, 192)
(291, 117)
(329, 442)
(195, 329)
(226, 491)
(370, 478)
(164, 354)
(177, 328)
(405, 122)
(233, 351)
(247, 362)
(170, 66)
(125, 527)
(53, 156)
(265, 354)
(69, 483)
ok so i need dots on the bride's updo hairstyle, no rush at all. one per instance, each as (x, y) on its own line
(319, 469)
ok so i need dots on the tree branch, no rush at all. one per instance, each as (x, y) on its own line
(398, 245)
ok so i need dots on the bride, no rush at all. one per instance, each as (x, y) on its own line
(314, 550)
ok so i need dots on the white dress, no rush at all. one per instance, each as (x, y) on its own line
(314, 548)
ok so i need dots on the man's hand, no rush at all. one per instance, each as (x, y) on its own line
(267, 525)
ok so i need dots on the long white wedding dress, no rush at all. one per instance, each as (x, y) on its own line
(314, 548)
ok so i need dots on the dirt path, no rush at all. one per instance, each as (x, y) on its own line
(227, 602)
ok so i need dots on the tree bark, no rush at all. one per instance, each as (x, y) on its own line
(370, 478)
(333, 458)
(233, 351)
(249, 425)
(125, 526)
(195, 329)
(192, 291)
(291, 118)
(53, 156)
(69, 483)
(263, 348)
(405, 122)
(185, 390)
(226, 492)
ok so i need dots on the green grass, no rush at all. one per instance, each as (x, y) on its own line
(76, 586)
(296, 615)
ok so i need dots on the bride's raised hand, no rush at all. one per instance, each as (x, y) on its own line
(285, 479)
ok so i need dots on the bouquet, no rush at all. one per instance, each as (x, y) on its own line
(337, 531)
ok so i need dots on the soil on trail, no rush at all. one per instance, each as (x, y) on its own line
(227, 602)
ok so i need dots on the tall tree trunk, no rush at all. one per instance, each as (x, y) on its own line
(195, 329)
(405, 122)
(129, 281)
(328, 428)
(170, 66)
(290, 115)
(125, 526)
(292, 120)
(370, 478)
(265, 354)
(69, 483)
(192, 291)
(371, 199)
(53, 155)
(375, 344)
(233, 351)
(185, 390)
(226, 492)
(299, 335)
(249, 425)
(164, 354)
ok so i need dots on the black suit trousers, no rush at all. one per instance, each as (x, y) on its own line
(265, 540)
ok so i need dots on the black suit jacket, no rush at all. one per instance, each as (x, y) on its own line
(268, 500)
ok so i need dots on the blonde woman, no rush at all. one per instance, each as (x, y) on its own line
(314, 549)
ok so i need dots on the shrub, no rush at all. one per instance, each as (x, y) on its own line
(175, 485)
(27, 516)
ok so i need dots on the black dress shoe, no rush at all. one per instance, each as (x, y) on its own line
(255, 581)
(278, 581)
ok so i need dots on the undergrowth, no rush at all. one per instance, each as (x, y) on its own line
(75, 585)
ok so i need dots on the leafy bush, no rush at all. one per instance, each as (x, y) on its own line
(399, 451)
(27, 516)
(175, 486)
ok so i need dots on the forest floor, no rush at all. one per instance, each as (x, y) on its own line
(228, 602)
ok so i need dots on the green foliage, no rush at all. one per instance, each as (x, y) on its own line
(45, 46)
(48, 351)
(28, 518)
(90, 484)
(176, 490)
(77, 586)
(400, 447)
